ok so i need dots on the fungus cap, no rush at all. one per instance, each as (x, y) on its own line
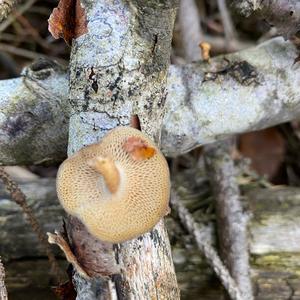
(119, 188)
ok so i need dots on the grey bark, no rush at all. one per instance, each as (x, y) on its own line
(240, 92)
(205, 246)
(34, 115)
(119, 69)
(231, 220)
(17, 238)
(274, 232)
(204, 103)
(3, 291)
(284, 14)
(190, 28)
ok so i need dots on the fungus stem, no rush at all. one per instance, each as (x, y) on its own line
(107, 168)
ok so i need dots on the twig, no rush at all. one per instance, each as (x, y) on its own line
(27, 53)
(191, 32)
(24, 7)
(204, 245)
(3, 291)
(32, 31)
(6, 6)
(231, 220)
(230, 33)
(18, 197)
(57, 239)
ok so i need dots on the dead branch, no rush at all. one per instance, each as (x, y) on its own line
(19, 197)
(231, 220)
(284, 14)
(6, 6)
(199, 109)
(190, 27)
(204, 244)
(3, 291)
(127, 78)
(34, 115)
(229, 30)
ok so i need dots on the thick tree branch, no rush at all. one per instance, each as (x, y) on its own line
(34, 115)
(249, 90)
(274, 233)
(284, 14)
(119, 69)
(204, 103)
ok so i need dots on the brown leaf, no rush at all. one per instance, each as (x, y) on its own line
(68, 20)
(266, 148)
(138, 149)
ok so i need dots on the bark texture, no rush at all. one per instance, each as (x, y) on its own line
(16, 236)
(274, 233)
(6, 6)
(231, 220)
(244, 91)
(206, 248)
(284, 14)
(34, 115)
(3, 291)
(255, 89)
(119, 69)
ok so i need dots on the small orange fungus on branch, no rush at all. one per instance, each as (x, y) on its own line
(205, 48)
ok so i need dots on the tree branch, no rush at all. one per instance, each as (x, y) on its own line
(231, 220)
(245, 91)
(274, 233)
(284, 14)
(34, 115)
(190, 27)
(127, 78)
(204, 103)
(204, 244)
(3, 292)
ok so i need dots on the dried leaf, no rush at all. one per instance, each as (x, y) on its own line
(138, 149)
(266, 148)
(68, 20)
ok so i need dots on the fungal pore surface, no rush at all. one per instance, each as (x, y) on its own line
(119, 188)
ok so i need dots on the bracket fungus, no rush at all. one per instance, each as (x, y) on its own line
(119, 188)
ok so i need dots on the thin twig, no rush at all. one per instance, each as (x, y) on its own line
(18, 197)
(191, 32)
(57, 239)
(20, 10)
(229, 30)
(3, 291)
(27, 53)
(205, 246)
(231, 220)
(32, 31)
(6, 6)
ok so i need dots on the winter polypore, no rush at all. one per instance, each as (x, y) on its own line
(119, 188)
